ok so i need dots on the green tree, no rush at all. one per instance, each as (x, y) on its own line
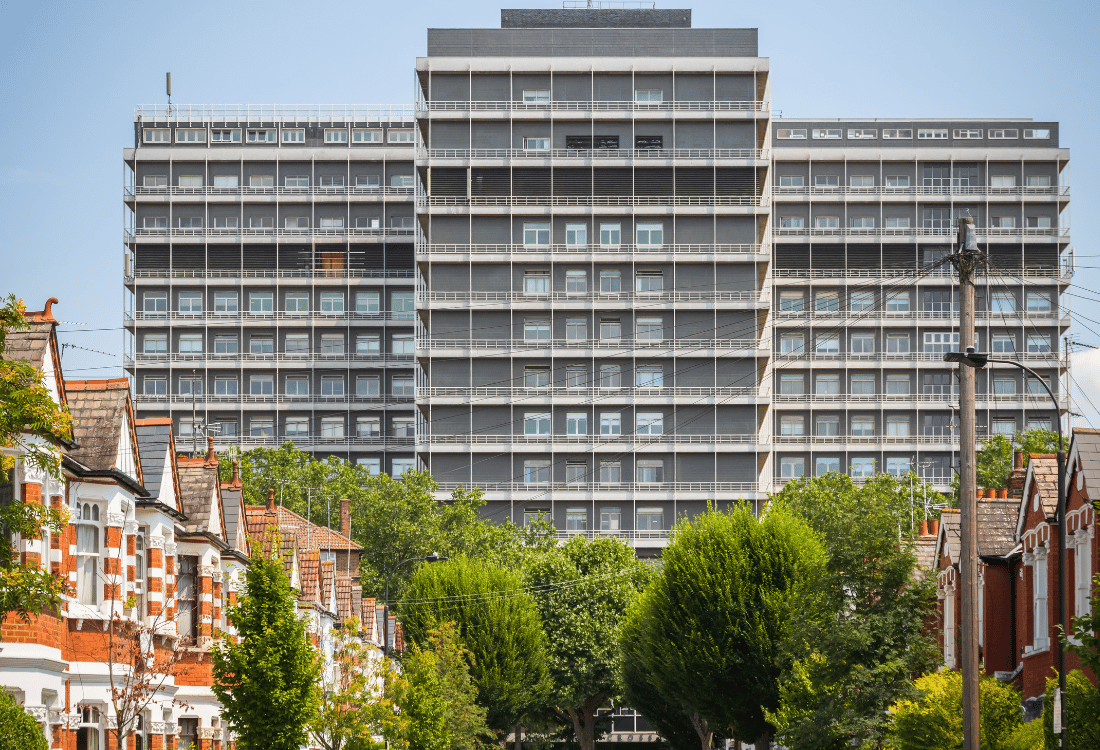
(848, 666)
(1086, 633)
(437, 697)
(356, 701)
(933, 718)
(497, 621)
(266, 676)
(1082, 713)
(18, 730)
(719, 611)
(31, 425)
(583, 590)
(995, 455)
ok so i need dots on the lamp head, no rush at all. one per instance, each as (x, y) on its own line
(970, 358)
(435, 557)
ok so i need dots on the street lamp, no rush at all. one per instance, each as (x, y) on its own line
(432, 558)
(978, 360)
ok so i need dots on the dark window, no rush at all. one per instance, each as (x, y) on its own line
(187, 614)
(649, 142)
(189, 734)
(591, 141)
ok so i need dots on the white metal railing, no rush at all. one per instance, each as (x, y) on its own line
(584, 297)
(592, 200)
(252, 441)
(250, 318)
(605, 344)
(274, 113)
(945, 270)
(130, 191)
(586, 393)
(919, 398)
(527, 250)
(865, 440)
(130, 234)
(200, 399)
(633, 537)
(635, 440)
(290, 360)
(622, 487)
(593, 153)
(598, 106)
(1062, 190)
(892, 356)
(917, 232)
(284, 273)
(863, 316)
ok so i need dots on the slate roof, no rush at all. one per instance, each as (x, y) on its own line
(198, 483)
(154, 442)
(310, 566)
(949, 541)
(1087, 446)
(997, 525)
(99, 409)
(1044, 468)
(924, 549)
(310, 535)
(29, 345)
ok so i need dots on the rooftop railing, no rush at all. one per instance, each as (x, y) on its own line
(748, 345)
(983, 232)
(593, 200)
(595, 249)
(130, 191)
(220, 401)
(1060, 190)
(635, 440)
(542, 488)
(273, 113)
(585, 392)
(593, 153)
(216, 233)
(945, 270)
(595, 106)
(287, 360)
(593, 296)
(283, 273)
(255, 318)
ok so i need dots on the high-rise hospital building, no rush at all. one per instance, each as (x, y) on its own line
(591, 273)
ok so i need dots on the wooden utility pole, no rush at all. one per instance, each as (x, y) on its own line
(966, 263)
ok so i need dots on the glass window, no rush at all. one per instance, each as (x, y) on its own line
(1035, 386)
(651, 470)
(610, 519)
(650, 235)
(941, 343)
(827, 344)
(863, 427)
(792, 467)
(536, 95)
(791, 302)
(1038, 343)
(576, 329)
(897, 385)
(1003, 343)
(862, 222)
(1004, 133)
(402, 386)
(1033, 133)
(576, 376)
(611, 472)
(650, 329)
(402, 343)
(897, 343)
(610, 235)
(827, 302)
(155, 343)
(792, 426)
(225, 345)
(858, 134)
(261, 136)
(861, 301)
(536, 233)
(190, 302)
(576, 519)
(791, 133)
(190, 387)
(261, 427)
(897, 426)
(826, 222)
(932, 134)
(260, 302)
(536, 330)
(155, 302)
(536, 282)
(863, 385)
(897, 302)
(1038, 302)
(367, 386)
(367, 302)
(827, 181)
(576, 281)
(576, 423)
(297, 302)
(261, 345)
(403, 305)
(862, 468)
(536, 377)
(792, 180)
(296, 343)
(1004, 386)
(1038, 424)
(367, 343)
(861, 180)
(536, 472)
(827, 385)
(87, 554)
(332, 343)
(611, 423)
(576, 235)
(791, 343)
(332, 428)
(610, 282)
(828, 133)
(336, 136)
(404, 427)
(828, 426)
(649, 281)
(1004, 302)
(897, 180)
(190, 343)
(332, 385)
(366, 135)
(297, 427)
(791, 222)
(399, 136)
(1002, 427)
(261, 385)
(897, 222)
(399, 466)
(610, 329)
(648, 95)
(367, 427)
(537, 143)
(825, 464)
(155, 386)
(576, 472)
(863, 343)
(332, 302)
(792, 385)
(650, 423)
(536, 423)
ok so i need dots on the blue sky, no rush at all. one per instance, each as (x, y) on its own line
(71, 73)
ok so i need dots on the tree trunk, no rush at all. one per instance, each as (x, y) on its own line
(764, 742)
(706, 736)
(517, 742)
(583, 719)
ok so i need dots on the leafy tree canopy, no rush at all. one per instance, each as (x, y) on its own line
(18, 729)
(933, 718)
(995, 455)
(497, 622)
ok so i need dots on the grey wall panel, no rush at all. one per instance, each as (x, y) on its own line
(491, 277)
(446, 87)
(736, 373)
(450, 420)
(735, 420)
(453, 374)
(615, 87)
(529, 81)
(490, 87)
(489, 325)
(735, 467)
(492, 420)
(735, 230)
(490, 135)
(695, 467)
(694, 135)
(451, 467)
(450, 324)
(694, 230)
(695, 420)
(450, 230)
(491, 372)
(735, 277)
(734, 87)
(734, 135)
(490, 230)
(692, 324)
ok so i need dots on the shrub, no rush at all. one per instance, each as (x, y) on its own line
(1082, 713)
(18, 731)
(935, 719)
(1026, 737)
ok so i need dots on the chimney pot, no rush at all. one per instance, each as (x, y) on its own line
(1017, 460)
(1003, 493)
(211, 456)
(345, 517)
(271, 499)
(935, 522)
(924, 528)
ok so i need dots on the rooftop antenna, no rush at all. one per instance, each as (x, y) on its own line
(168, 89)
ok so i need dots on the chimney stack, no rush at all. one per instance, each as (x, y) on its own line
(271, 500)
(345, 517)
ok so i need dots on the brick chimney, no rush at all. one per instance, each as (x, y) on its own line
(345, 517)
(271, 500)
(1016, 477)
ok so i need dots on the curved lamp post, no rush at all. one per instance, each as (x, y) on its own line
(432, 558)
(978, 360)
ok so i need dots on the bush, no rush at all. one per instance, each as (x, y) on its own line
(1082, 713)
(1026, 737)
(935, 719)
(18, 731)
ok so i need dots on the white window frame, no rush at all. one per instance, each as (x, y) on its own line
(536, 143)
(1036, 133)
(1003, 133)
(261, 135)
(190, 135)
(225, 135)
(156, 135)
(294, 135)
(791, 134)
(828, 134)
(366, 135)
(862, 134)
(897, 134)
(403, 135)
(536, 234)
(792, 467)
(932, 134)
(336, 135)
(966, 134)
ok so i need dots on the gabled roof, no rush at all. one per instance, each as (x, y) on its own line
(232, 510)
(158, 467)
(1041, 484)
(310, 535)
(37, 346)
(1084, 452)
(103, 425)
(200, 494)
(996, 526)
(924, 549)
(949, 540)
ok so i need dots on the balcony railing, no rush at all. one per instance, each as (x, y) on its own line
(586, 297)
(216, 234)
(983, 232)
(250, 318)
(618, 487)
(634, 440)
(334, 443)
(892, 273)
(845, 316)
(130, 191)
(635, 538)
(865, 440)
(529, 250)
(584, 393)
(899, 357)
(283, 273)
(1038, 400)
(592, 200)
(601, 344)
(222, 401)
(593, 153)
(886, 190)
(597, 106)
(288, 360)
